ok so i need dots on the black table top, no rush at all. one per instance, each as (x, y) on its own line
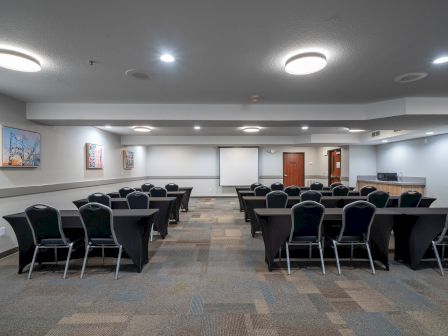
(115, 212)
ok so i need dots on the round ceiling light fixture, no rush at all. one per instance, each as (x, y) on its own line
(410, 77)
(142, 129)
(17, 61)
(440, 60)
(137, 74)
(306, 63)
(354, 130)
(197, 127)
(304, 127)
(167, 58)
(251, 129)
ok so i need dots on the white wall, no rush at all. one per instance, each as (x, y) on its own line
(362, 161)
(426, 157)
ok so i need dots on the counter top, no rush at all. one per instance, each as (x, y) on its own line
(404, 183)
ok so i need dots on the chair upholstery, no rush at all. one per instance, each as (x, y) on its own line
(254, 185)
(158, 192)
(262, 191)
(409, 199)
(172, 187)
(378, 198)
(125, 191)
(100, 198)
(340, 190)
(138, 200)
(311, 195)
(292, 191)
(276, 199)
(277, 186)
(146, 187)
(335, 184)
(316, 186)
(366, 190)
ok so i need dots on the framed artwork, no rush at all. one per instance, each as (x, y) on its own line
(128, 159)
(94, 156)
(20, 148)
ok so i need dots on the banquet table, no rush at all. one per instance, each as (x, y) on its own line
(132, 227)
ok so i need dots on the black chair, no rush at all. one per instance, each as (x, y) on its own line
(378, 198)
(306, 229)
(277, 186)
(276, 199)
(292, 191)
(262, 190)
(441, 240)
(125, 191)
(100, 198)
(98, 222)
(146, 187)
(340, 190)
(366, 190)
(46, 228)
(158, 192)
(316, 186)
(357, 219)
(137, 200)
(409, 199)
(172, 187)
(311, 195)
(254, 185)
(335, 184)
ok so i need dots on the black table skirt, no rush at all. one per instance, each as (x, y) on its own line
(240, 198)
(413, 233)
(186, 197)
(132, 227)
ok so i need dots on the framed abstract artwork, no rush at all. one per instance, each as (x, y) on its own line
(128, 159)
(94, 156)
(20, 148)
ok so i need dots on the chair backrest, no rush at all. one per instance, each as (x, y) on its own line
(158, 192)
(311, 195)
(335, 184)
(146, 187)
(172, 187)
(409, 199)
(262, 190)
(98, 221)
(277, 186)
(292, 191)
(254, 185)
(125, 191)
(316, 186)
(307, 218)
(100, 198)
(357, 218)
(366, 190)
(44, 222)
(340, 190)
(138, 200)
(276, 199)
(378, 198)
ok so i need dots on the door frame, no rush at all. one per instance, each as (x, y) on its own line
(283, 165)
(329, 162)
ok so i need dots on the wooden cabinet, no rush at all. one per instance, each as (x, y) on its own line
(392, 188)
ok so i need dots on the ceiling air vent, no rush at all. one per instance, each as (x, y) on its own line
(410, 77)
(375, 134)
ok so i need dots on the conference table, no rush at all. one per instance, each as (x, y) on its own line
(163, 204)
(414, 229)
(177, 204)
(185, 199)
(132, 228)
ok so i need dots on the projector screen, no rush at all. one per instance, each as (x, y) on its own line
(238, 166)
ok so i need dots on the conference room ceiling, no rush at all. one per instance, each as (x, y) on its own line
(225, 51)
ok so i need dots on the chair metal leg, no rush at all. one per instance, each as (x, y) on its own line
(280, 254)
(287, 259)
(118, 261)
(84, 262)
(310, 252)
(370, 258)
(321, 252)
(434, 246)
(152, 231)
(70, 248)
(443, 253)
(32, 262)
(335, 246)
(351, 254)
(55, 256)
(102, 253)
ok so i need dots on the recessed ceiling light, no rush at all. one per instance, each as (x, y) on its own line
(141, 129)
(167, 58)
(305, 127)
(354, 130)
(429, 133)
(17, 61)
(384, 141)
(440, 60)
(306, 63)
(108, 126)
(410, 77)
(197, 127)
(251, 129)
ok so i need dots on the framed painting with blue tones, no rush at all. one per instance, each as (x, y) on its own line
(20, 148)
(128, 159)
(94, 156)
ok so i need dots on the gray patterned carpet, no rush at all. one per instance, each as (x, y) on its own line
(208, 277)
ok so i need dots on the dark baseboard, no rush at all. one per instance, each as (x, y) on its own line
(8, 252)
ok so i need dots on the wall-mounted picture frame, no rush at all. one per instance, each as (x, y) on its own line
(94, 156)
(19, 148)
(128, 159)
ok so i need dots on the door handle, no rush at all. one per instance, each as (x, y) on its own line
(285, 175)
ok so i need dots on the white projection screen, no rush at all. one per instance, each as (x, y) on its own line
(238, 166)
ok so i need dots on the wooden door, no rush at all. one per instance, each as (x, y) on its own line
(294, 169)
(334, 166)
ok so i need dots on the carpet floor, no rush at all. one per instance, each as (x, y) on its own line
(208, 277)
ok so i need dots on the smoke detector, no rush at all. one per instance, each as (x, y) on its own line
(410, 77)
